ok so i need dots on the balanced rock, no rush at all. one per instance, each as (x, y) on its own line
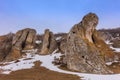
(82, 53)
(49, 43)
(23, 39)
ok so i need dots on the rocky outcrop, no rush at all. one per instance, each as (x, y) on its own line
(105, 35)
(6, 44)
(104, 49)
(49, 43)
(116, 43)
(30, 40)
(82, 52)
(23, 39)
(62, 45)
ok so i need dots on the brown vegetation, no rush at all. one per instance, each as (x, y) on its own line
(38, 73)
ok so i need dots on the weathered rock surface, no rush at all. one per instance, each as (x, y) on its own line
(104, 49)
(82, 52)
(30, 40)
(49, 43)
(105, 35)
(115, 43)
(23, 39)
(5, 45)
(62, 45)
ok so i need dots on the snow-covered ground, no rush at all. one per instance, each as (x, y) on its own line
(47, 62)
(115, 49)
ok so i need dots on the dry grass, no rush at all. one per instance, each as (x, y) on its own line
(38, 73)
(115, 67)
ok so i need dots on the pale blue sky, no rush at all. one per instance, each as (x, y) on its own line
(57, 15)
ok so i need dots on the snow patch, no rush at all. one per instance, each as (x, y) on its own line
(108, 42)
(58, 38)
(21, 64)
(115, 49)
(38, 42)
(110, 63)
(47, 62)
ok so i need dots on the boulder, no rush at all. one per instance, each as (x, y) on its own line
(82, 53)
(62, 45)
(52, 44)
(30, 40)
(6, 44)
(23, 39)
(49, 43)
(45, 44)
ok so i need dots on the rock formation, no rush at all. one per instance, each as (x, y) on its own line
(105, 36)
(6, 44)
(23, 39)
(104, 49)
(82, 53)
(116, 43)
(49, 43)
(84, 47)
(62, 45)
